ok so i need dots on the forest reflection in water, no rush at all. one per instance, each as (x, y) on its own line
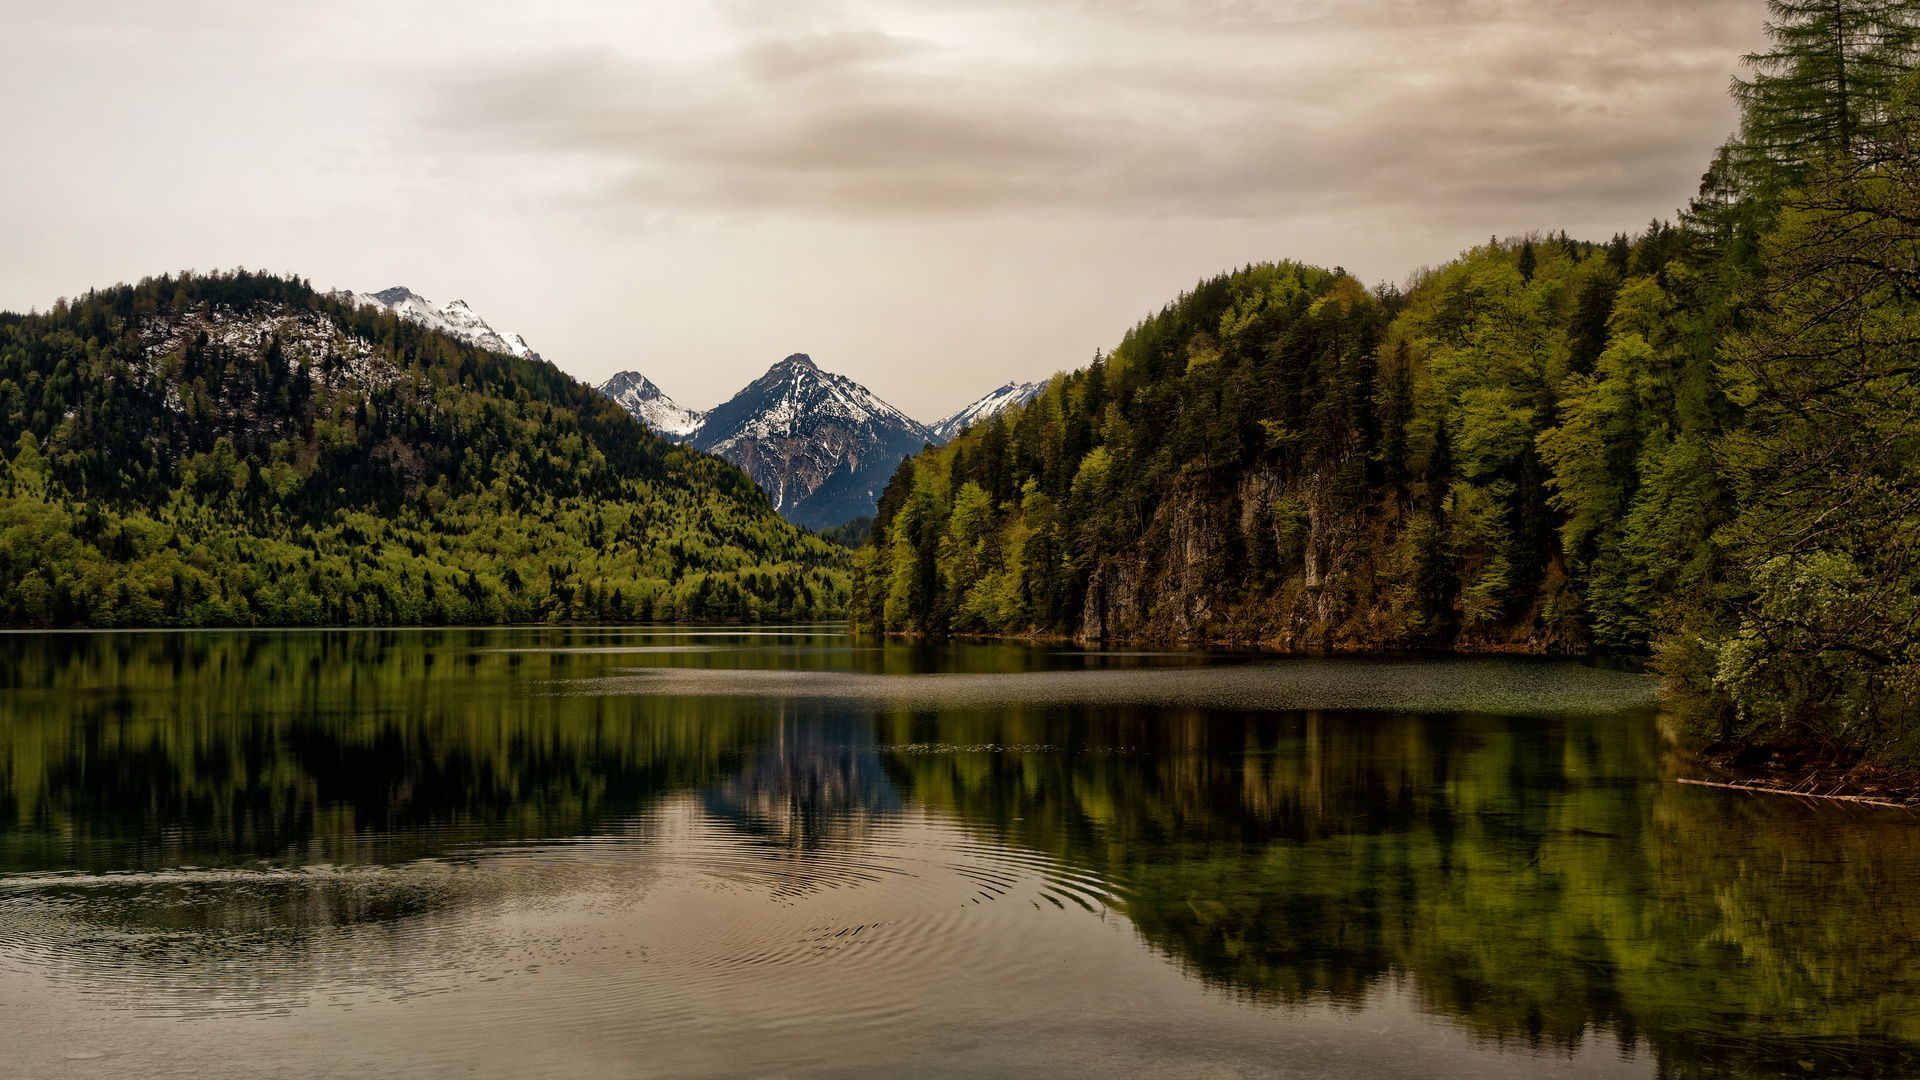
(780, 851)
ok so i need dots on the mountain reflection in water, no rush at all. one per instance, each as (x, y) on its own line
(813, 781)
(672, 852)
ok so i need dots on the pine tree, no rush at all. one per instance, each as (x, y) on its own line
(1587, 331)
(1825, 85)
(1396, 410)
(1619, 251)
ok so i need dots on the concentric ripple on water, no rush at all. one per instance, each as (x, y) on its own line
(656, 910)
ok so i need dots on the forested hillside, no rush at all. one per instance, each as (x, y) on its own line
(1696, 441)
(237, 449)
(1283, 456)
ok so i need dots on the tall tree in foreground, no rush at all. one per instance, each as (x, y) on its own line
(1825, 586)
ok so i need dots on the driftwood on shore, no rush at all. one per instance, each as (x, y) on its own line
(1804, 791)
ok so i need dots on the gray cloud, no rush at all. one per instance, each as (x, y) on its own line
(1224, 109)
(824, 55)
(930, 196)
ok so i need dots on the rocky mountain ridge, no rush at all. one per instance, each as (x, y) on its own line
(986, 408)
(456, 320)
(648, 404)
(820, 444)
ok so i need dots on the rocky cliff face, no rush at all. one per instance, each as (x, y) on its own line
(1350, 577)
(821, 445)
(1291, 481)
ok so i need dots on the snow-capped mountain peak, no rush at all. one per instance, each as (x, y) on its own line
(996, 401)
(456, 319)
(652, 407)
(820, 444)
(792, 395)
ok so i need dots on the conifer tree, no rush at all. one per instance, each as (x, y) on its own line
(1825, 85)
(1434, 581)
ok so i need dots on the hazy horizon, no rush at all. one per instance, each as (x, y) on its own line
(931, 199)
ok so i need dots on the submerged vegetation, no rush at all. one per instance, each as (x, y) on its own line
(237, 449)
(1696, 441)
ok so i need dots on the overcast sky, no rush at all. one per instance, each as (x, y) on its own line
(930, 197)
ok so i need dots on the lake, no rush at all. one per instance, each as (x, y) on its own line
(637, 852)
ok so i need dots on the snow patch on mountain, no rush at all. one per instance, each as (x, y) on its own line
(651, 406)
(313, 352)
(795, 395)
(455, 319)
(996, 402)
(821, 445)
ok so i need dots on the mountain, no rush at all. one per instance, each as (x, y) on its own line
(455, 320)
(820, 444)
(997, 401)
(238, 449)
(635, 393)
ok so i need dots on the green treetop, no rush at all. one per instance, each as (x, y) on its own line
(1826, 83)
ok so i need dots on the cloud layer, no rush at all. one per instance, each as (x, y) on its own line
(1222, 110)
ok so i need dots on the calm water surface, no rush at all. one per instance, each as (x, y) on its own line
(636, 852)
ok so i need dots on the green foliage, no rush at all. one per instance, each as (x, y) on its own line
(849, 534)
(1281, 455)
(1824, 88)
(236, 449)
(1821, 593)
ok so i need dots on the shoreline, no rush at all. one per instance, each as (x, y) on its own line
(1787, 774)
(1272, 645)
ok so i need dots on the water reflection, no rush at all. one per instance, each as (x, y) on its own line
(267, 822)
(143, 751)
(813, 780)
(1537, 882)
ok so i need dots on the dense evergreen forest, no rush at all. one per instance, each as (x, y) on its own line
(238, 449)
(1696, 441)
